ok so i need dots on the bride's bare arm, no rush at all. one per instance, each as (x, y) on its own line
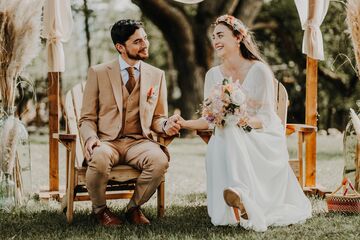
(198, 124)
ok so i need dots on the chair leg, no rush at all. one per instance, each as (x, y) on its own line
(357, 172)
(161, 200)
(71, 185)
(300, 158)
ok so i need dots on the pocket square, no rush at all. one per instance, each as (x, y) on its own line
(151, 93)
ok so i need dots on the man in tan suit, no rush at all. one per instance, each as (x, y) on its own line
(124, 100)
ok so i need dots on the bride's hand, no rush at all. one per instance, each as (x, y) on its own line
(243, 121)
(181, 122)
(250, 121)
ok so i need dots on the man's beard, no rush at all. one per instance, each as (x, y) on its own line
(135, 56)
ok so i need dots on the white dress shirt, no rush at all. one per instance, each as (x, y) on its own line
(124, 72)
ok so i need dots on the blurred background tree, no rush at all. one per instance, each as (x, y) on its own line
(180, 44)
(186, 30)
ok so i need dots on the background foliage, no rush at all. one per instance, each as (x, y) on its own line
(276, 26)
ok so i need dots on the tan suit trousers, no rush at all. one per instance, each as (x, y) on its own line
(141, 154)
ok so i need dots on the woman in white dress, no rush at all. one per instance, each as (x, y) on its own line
(249, 180)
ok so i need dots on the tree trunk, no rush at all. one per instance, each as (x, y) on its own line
(87, 13)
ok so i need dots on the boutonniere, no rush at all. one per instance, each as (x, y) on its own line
(151, 93)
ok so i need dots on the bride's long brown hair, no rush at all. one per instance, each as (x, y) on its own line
(248, 47)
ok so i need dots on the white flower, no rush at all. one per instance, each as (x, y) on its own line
(238, 97)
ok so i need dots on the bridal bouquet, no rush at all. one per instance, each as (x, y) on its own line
(226, 104)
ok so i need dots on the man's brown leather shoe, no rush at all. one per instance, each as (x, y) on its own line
(135, 216)
(107, 218)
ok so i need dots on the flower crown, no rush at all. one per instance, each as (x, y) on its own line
(233, 22)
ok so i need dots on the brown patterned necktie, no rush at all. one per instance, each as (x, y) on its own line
(131, 82)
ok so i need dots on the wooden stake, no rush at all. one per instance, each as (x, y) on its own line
(53, 94)
(311, 119)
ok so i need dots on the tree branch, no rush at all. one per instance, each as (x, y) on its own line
(247, 11)
(172, 22)
(228, 7)
(265, 25)
(339, 83)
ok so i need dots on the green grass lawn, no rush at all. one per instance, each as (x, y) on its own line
(186, 220)
(186, 214)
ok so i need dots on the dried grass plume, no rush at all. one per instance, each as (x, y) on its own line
(19, 42)
(353, 22)
(356, 122)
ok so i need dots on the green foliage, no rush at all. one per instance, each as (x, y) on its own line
(338, 85)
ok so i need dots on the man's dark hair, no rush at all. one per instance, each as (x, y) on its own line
(123, 29)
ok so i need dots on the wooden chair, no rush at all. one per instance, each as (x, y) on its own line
(282, 102)
(122, 177)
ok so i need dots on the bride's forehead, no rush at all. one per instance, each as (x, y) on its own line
(220, 28)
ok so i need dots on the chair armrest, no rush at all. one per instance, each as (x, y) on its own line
(294, 127)
(164, 139)
(64, 138)
(205, 134)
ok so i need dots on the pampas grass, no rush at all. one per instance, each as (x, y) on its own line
(19, 42)
(356, 122)
(9, 139)
(353, 22)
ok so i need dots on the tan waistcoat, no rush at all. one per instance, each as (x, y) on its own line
(131, 112)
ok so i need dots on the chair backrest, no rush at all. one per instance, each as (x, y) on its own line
(73, 103)
(281, 100)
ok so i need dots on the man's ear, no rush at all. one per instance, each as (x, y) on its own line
(120, 48)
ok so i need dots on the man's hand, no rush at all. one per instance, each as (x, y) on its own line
(172, 127)
(90, 144)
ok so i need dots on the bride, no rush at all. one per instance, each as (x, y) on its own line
(249, 180)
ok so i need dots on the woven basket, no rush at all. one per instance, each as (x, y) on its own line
(345, 203)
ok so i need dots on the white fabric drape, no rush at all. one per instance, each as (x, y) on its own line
(189, 1)
(312, 14)
(58, 24)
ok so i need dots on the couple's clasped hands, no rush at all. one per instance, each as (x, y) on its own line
(176, 122)
(173, 125)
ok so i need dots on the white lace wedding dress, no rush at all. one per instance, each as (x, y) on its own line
(255, 163)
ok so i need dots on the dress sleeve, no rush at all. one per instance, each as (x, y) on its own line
(208, 83)
(261, 100)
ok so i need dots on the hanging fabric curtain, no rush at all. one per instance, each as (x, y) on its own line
(57, 29)
(189, 1)
(312, 14)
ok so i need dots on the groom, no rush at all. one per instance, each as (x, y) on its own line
(124, 100)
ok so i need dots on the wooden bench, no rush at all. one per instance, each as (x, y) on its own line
(122, 177)
(282, 102)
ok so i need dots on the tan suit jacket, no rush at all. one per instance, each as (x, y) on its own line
(102, 110)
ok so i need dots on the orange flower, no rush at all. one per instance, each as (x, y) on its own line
(150, 92)
(344, 181)
(228, 88)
